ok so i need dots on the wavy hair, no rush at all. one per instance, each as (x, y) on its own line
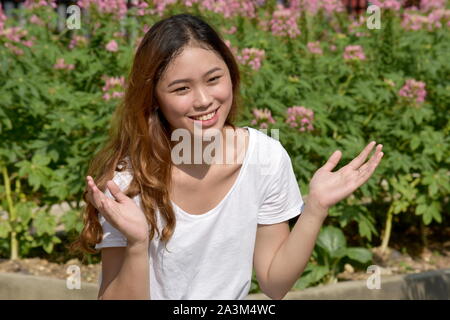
(139, 135)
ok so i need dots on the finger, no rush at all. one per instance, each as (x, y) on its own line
(88, 192)
(333, 161)
(359, 160)
(88, 195)
(368, 168)
(97, 195)
(115, 191)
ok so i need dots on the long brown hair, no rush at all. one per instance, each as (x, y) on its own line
(139, 132)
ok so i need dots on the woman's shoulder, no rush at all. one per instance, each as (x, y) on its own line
(267, 140)
(267, 149)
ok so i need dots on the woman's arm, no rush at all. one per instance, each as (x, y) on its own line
(132, 281)
(326, 189)
(292, 257)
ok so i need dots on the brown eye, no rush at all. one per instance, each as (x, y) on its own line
(214, 78)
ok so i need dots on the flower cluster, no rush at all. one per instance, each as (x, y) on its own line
(232, 49)
(354, 52)
(34, 19)
(262, 118)
(412, 20)
(32, 4)
(315, 48)
(251, 57)
(78, 41)
(160, 6)
(427, 5)
(328, 6)
(16, 36)
(140, 5)
(394, 5)
(113, 87)
(413, 91)
(355, 27)
(232, 30)
(117, 7)
(229, 8)
(301, 118)
(112, 46)
(61, 65)
(283, 22)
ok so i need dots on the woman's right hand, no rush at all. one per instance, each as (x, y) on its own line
(122, 213)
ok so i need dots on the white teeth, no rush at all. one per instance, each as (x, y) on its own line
(206, 116)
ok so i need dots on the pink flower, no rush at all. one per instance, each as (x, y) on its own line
(112, 46)
(251, 57)
(234, 50)
(301, 118)
(262, 118)
(354, 52)
(61, 65)
(413, 91)
(113, 87)
(34, 19)
(32, 4)
(14, 36)
(413, 21)
(427, 5)
(232, 30)
(330, 7)
(116, 7)
(228, 8)
(17, 51)
(394, 5)
(435, 20)
(78, 41)
(284, 22)
(314, 48)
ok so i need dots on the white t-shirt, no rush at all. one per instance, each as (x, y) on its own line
(211, 255)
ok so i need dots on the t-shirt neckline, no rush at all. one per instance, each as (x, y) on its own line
(236, 183)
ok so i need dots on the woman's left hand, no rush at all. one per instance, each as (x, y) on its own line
(328, 188)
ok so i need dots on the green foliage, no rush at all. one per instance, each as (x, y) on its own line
(329, 255)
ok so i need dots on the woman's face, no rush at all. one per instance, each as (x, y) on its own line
(196, 83)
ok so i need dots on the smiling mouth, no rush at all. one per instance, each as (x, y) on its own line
(206, 116)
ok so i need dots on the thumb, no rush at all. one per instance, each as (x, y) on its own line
(333, 161)
(115, 191)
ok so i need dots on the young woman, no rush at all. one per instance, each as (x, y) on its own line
(194, 229)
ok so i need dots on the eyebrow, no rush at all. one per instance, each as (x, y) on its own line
(187, 80)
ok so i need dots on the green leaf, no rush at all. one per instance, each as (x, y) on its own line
(312, 274)
(359, 254)
(40, 160)
(331, 239)
(5, 228)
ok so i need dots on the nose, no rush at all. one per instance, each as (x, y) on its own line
(202, 98)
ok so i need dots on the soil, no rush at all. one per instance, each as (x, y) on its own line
(405, 257)
(42, 267)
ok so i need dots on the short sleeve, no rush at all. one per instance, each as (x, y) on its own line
(282, 200)
(111, 236)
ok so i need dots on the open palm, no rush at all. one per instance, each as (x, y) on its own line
(328, 188)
